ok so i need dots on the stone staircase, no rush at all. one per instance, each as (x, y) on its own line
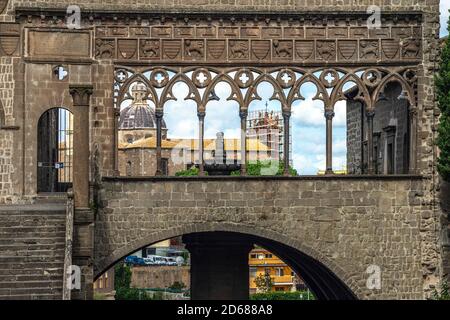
(32, 245)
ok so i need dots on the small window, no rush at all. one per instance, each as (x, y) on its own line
(280, 272)
(253, 256)
(165, 166)
(268, 256)
(390, 158)
(252, 272)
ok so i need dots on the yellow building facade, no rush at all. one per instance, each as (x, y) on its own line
(261, 262)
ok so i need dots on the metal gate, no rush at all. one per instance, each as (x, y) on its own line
(55, 151)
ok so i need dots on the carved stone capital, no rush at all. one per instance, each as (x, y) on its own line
(81, 94)
(286, 114)
(370, 114)
(201, 115)
(159, 114)
(329, 114)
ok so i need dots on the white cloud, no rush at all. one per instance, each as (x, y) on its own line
(445, 6)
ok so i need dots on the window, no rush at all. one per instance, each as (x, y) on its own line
(268, 256)
(390, 158)
(165, 166)
(253, 256)
(279, 272)
(252, 272)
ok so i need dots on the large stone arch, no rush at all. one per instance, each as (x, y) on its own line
(340, 279)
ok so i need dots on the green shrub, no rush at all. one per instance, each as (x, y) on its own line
(192, 172)
(277, 295)
(122, 282)
(264, 167)
(443, 293)
(177, 286)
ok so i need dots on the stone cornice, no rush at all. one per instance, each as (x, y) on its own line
(317, 17)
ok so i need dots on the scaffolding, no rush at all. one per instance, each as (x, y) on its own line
(268, 127)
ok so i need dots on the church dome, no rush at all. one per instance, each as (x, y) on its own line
(139, 115)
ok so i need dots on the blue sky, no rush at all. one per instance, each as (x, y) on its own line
(445, 6)
(308, 122)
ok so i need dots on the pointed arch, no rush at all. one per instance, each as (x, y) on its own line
(395, 77)
(234, 90)
(338, 94)
(295, 95)
(253, 95)
(180, 77)
(138, 77)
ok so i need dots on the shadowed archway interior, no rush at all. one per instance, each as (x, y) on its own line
(323, 282)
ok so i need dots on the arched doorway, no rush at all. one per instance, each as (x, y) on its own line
(55, 151)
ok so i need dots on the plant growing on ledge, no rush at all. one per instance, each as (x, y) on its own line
(257, 168)
(442, 82)
(191, 172)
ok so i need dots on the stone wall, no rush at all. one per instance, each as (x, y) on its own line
(160, 277)
(347, 224)
(237, 5)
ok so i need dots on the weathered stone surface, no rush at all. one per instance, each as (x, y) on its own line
(351, 237)
(345, 223)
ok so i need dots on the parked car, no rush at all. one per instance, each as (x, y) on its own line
(149, 261)
(133, 260)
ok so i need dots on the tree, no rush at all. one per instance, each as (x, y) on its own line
(264, 282)
(443, 293)
(122, 283)
(442, 82)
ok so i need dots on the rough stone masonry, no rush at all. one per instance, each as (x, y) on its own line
(396, 222)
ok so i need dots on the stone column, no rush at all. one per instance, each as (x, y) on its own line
(370, 115)
(243, 115)
(219, 266)
(81, 96)
(116, 141)
(83, 230)
(286, 149)
(159, 116)
(201, 133)
(412, 140)
(329, 115)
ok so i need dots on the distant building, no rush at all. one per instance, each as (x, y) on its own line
(104, 285)
(283, 277)
(268, 128)
(391, 133)
(137, 141)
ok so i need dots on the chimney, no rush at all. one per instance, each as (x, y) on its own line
(219, 156)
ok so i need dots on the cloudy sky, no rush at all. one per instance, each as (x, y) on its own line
(308, 122)
(445, 6)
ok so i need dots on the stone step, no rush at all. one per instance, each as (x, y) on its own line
(32, 271)
(49, 296)
(39, 266)
(51, 198)
(37, 245)
(36, 291)
(36, 229)
(31, 284)
(29, 259)
(30, 278)
(32, 242)
(26, 252)
(47, 235)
